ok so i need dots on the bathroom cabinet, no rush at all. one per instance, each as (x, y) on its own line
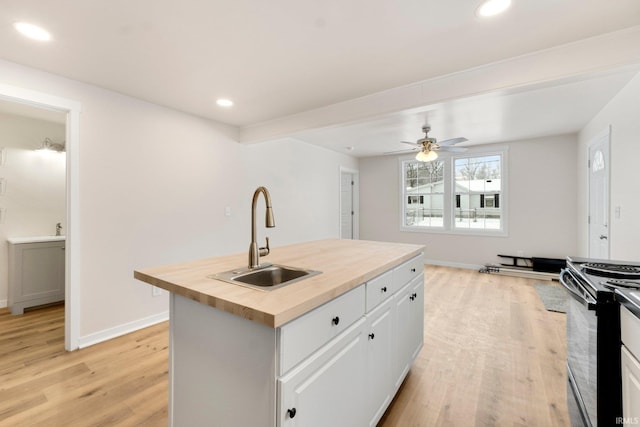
(36, 272)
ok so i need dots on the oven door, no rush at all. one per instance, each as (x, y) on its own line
(582, 351)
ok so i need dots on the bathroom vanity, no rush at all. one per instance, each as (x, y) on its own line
(36, 271)
(331, 349)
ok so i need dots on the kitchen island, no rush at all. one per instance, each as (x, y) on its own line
(331, 349)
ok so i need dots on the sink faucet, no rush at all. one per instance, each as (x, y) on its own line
(58, 229)
(254, 252)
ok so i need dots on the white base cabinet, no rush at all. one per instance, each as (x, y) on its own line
(630, 367)
(36, 274)
(381, 349)
(338, 365)
(328, 389)
(408, 327)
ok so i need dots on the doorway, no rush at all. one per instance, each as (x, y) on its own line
(599, 196)
(71, 109)
(349, 208)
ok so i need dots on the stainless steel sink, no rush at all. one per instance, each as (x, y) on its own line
(265, 277)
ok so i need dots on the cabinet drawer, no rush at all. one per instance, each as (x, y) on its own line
(406, 272)
(302, 336)
(379, 289)
(630, 331)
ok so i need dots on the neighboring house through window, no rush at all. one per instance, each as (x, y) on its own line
(461, 193)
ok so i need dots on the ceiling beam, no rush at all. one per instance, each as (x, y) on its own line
(546, 67)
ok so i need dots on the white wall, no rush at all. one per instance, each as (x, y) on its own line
(154, 184)
(540, 201)
(622, 113)
(34, 181)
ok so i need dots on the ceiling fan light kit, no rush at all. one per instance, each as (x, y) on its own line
(426, 156)
(427, 147)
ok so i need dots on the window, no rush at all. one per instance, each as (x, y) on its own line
(423, 193)
(455, 194)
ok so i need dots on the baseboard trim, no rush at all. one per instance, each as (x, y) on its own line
(3, 303)
(107, 334)
(453, 264)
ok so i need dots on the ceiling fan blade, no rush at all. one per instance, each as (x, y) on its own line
(402, 151)
(452, 149)
(410, 143)
(452, 141)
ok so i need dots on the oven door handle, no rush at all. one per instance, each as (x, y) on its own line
(572, 287)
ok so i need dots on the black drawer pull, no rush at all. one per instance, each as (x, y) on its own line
(372, 336)
(335, 320)
(413, 270)
(383, 289)
(291, 412)
(413, 296)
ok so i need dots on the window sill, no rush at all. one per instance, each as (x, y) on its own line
(465, 232)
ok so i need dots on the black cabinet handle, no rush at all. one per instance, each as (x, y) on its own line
(413, 270)
(413, 296)
(372, 336)
(335, 320)
(291, 412)
(383, 289)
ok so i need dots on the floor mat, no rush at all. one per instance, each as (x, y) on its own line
(553, 297)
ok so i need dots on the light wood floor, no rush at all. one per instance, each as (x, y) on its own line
(493, 356)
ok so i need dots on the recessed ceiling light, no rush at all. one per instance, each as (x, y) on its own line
(32, 31)
(224, 102)
(493, 7)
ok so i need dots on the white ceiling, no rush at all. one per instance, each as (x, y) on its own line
(540, 110)
(283, 57)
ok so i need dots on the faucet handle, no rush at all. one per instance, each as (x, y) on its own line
(265, 250)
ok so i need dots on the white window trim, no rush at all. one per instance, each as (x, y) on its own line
(449, 213)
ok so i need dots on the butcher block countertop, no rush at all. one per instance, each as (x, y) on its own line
(344, 264)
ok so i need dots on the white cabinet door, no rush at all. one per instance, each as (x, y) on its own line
(409, 327)
(327, 389)
(380, 351)
(630, 386)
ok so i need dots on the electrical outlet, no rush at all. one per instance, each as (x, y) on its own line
(156, 291)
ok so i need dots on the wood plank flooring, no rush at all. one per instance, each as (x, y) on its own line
(493, 356)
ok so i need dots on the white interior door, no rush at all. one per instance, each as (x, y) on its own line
(346, 205)
(599, 198)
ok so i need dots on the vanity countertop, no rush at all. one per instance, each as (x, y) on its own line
(344, 264)
(35, 239)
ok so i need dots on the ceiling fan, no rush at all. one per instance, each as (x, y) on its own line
(428, 147)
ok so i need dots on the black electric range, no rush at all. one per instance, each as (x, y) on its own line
(593, 338)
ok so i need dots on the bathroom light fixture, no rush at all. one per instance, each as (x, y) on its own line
(426, 156)
(224, 102)
(493, 7)
(32, 31)
(49, 145)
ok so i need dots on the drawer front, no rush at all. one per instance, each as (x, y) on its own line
(304, 335)
(406, 272)
(379, 289)
(630, 331)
